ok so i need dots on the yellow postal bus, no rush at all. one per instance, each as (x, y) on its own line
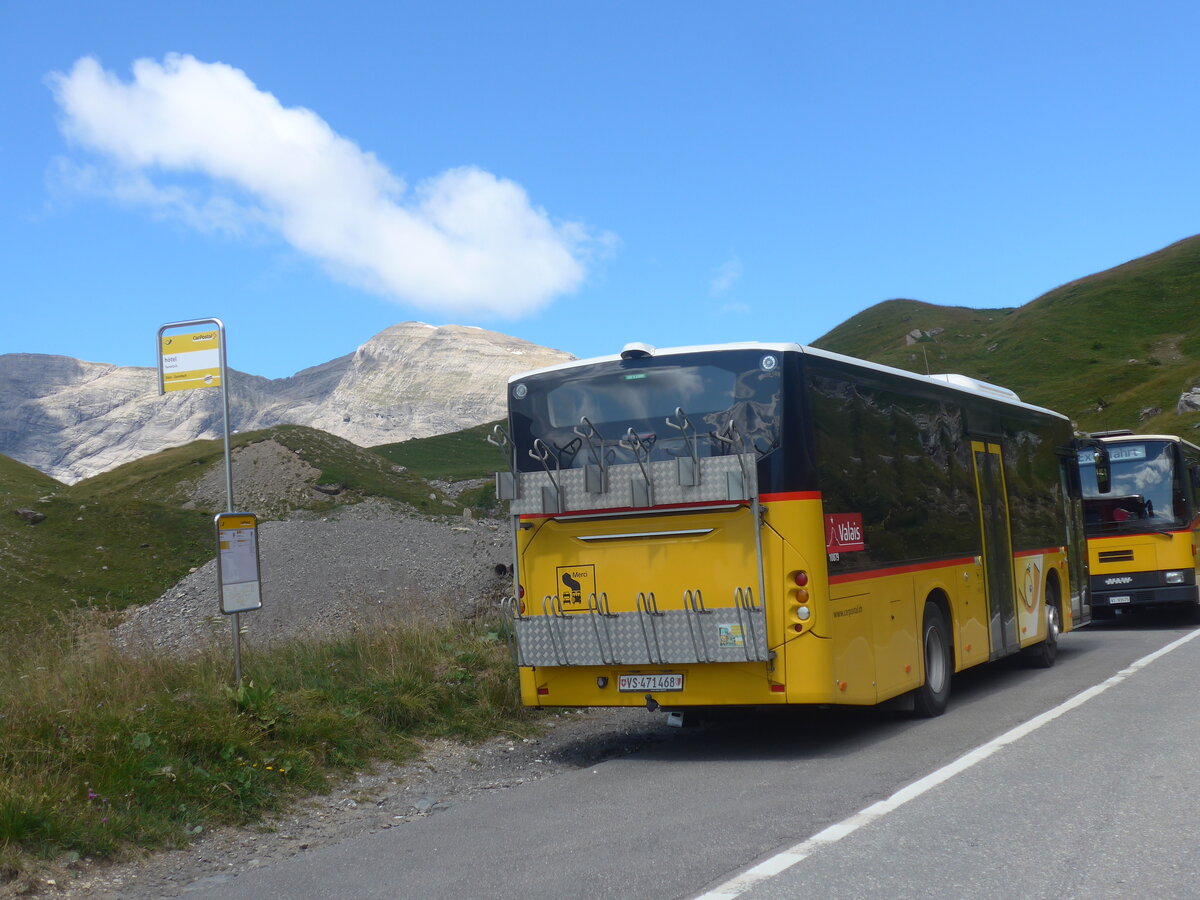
(758, 524)
(1142, 531)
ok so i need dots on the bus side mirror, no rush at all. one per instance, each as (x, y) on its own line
(1103, 472)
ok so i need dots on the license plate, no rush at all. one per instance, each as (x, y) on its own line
(650, 683)
(1118, 600)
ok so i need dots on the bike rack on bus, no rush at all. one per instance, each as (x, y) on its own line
(729, 435)
(600, 613)
(643, 491)
(595, 475)
(743, 601)
(687, 469)
(648, 608)
(507, 483)
(553, 612)
(552, 495)
(693, 604)
(597, 635)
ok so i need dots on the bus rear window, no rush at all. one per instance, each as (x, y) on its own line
(621, 397)
(743, 390)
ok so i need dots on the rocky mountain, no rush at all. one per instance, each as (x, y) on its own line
(73, 419)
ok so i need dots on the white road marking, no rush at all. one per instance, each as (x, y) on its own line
(778, 863)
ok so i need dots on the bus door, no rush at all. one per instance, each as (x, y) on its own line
(997, 558)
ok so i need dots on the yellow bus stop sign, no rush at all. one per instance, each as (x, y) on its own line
(190, 360)
(238, 580)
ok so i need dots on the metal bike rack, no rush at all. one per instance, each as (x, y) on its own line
(693, 604)
(595, 475)
(687, 468)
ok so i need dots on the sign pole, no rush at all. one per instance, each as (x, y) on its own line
(192, 364)
(237, 616)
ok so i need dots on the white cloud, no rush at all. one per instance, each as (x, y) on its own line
(463, 241)
(728, 273)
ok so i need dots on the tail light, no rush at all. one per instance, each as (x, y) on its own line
(798, 598)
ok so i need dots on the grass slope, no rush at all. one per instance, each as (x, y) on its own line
(1101, 349)
(104, 753)
(459, 456)
(89, 551)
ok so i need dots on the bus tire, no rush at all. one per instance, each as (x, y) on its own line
(1043, 654)
(931, 697)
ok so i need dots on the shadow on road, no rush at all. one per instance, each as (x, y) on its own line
(815, 732)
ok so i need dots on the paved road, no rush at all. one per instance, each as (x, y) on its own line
(1096, 803)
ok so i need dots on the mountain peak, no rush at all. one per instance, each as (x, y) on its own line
(73, 419)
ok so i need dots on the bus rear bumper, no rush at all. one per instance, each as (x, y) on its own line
(1142, 597)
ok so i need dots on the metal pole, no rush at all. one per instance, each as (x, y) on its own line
(237, 617)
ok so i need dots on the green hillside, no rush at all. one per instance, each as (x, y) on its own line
(125, 536)
(1100, 349)
(105, 552)
(451, 457)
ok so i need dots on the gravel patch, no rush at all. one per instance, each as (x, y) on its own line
(364, 563)
(268, 479)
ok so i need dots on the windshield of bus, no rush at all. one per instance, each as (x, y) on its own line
(1146, 493)
(621, 408)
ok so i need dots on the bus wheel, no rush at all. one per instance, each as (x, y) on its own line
(930, 698)
(1042, 655)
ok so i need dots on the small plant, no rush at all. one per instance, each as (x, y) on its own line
(257, 702)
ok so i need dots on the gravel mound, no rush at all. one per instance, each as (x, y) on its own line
(367, 563)
(268, 478)
(363, 563)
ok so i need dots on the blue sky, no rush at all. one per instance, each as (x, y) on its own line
(579, 175)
